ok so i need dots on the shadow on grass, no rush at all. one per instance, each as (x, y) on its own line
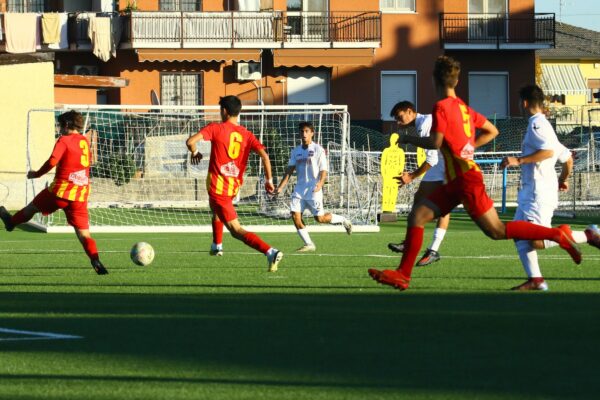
(495, 344)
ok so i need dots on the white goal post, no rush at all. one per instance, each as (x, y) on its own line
(142, 179)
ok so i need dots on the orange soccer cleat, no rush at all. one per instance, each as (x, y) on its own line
(532, 284)
(390, 277)
(567, 243)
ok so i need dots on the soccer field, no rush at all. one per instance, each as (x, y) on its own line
(191, 326)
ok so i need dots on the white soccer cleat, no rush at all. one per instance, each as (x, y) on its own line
(347, 226)
(273, 260)
(307, 248)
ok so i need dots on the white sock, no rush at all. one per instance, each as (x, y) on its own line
(304, 236)
(529, 258)
(337, 219)
(438, 237)
(218, 246)
(578, 236)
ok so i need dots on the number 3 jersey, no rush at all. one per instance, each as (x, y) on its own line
(72, 178)
(230, 148)
(309, 162)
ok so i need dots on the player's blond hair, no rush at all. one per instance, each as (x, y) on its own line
(446, 71)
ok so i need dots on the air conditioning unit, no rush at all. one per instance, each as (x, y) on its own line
(85, 70)
(249, 71)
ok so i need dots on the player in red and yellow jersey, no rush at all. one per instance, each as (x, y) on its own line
(453, 132)
(70, 189)
(231, 145)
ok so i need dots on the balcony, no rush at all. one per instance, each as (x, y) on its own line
(497, 31)
(257, 30)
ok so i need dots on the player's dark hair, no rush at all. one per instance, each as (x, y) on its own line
(402, 106)
(533, 94)
(446, 71)
(71, 120)
(232, 104)
(305, 124)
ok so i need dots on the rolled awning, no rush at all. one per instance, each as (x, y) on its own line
(558, 79)
(186, 55)
(322, 57)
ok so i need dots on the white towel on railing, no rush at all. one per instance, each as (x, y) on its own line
(21, 32)
(207, 27)
(248, 5)
(99, 32)
(64, 38)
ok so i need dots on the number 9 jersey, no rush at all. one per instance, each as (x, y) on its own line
(72, 178)
(230, 148)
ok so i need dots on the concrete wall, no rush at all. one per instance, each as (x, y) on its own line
(24, 87)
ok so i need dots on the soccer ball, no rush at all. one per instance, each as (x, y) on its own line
(142, 253)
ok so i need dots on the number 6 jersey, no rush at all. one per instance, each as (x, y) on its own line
(230, 148)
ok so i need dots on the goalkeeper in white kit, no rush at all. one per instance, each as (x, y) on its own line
(310, 163)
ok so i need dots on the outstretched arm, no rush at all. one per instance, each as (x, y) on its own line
(563, 179)
(269, 187)
(433, 141)
(44, 169)
(191, 145)
(286, 177)
(535, 157)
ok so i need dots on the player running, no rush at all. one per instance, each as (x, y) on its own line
(70, 189)
(538, 195)
(405, 115)
(231, 146)
(453, 132)
(310, 163)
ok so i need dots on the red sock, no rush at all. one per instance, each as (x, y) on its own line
(217, 231)
(19, 218)
(523, 230)
(89, 245)
(252, 240)
(412, 246)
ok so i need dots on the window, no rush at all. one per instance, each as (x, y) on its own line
(180, 5)
(594, 90)
(26, 6)
(308, 87)
(397, 86)
(488, 93)
(181, 89)
(397, 5)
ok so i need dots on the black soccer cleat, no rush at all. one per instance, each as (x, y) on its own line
(396, 247)
(429, 257)
(99, 268)
(6, 217)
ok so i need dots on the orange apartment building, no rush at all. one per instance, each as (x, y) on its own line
(367, 54)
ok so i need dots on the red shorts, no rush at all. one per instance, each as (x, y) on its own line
(222, 207)
(76, 211)
(468, 189)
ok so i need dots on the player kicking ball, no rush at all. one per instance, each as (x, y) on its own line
(453, 132)
(405, 115)
(70, 189)
(538, 195)
(231, 144)
(310, 163)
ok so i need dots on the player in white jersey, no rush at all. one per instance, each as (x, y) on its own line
(310, 163)
(538, 195)
(405, 115)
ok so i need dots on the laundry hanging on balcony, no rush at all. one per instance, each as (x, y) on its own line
(63, 41)
(21, 32)
(99, 32)
(50, 28)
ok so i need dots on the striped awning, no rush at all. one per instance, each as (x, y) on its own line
(183, 55)
(560, 79)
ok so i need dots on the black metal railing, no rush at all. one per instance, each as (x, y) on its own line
(497, 29)
(180, 28)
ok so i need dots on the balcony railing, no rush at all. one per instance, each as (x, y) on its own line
(497, 31)
(153, 29)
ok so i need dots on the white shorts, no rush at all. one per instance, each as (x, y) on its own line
(538, 214)
(314, 203)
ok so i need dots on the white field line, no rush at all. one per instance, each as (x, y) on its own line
(511, 256)
(34, 335)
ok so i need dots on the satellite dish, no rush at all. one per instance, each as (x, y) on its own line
(154, 100)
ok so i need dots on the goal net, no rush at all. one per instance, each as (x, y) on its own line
(142, 178)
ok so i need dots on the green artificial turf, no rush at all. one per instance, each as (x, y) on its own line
(191, 326)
